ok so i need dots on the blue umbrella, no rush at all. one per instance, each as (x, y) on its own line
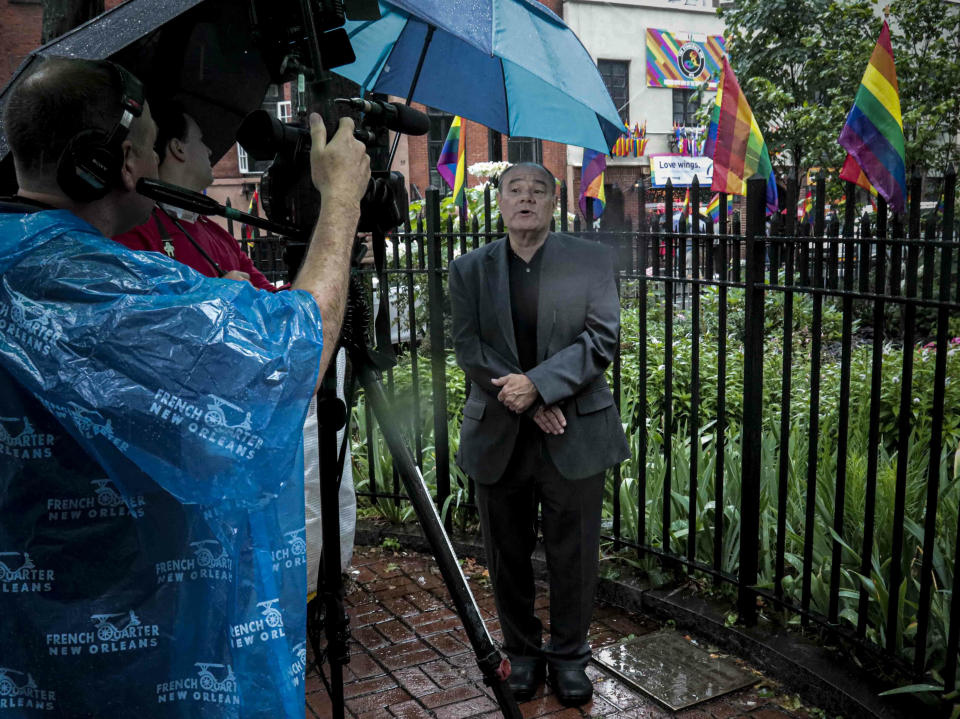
(511, 65)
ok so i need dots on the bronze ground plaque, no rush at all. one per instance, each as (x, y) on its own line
(672, 670)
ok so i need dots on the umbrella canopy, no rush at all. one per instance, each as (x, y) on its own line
(198, 51)
(511, 65)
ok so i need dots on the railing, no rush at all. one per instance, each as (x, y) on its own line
(792, 402)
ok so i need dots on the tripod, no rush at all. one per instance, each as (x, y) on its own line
(331, 416)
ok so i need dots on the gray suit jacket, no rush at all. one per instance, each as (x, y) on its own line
(578, 320)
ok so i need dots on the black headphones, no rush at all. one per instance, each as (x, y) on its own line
(90, 164)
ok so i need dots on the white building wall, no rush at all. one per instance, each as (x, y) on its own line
(617, 31)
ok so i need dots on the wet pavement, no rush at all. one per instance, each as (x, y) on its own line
(410, 657)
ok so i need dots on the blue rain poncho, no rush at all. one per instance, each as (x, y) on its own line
(152, 553)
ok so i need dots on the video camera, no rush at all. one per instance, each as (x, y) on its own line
(287, 192)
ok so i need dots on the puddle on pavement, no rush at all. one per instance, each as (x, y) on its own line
(673, 670)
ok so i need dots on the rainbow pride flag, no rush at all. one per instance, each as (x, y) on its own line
(631, 143)
(805, 208)
(873, 133)
(685, 209)
(591, 183)
(713, 209)
(851, 171)
(452, 164)
(736, 144)
(247, 231)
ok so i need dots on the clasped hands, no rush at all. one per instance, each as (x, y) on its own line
(518, 393)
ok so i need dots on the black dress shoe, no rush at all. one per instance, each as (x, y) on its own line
(525, 679)
(572, 686)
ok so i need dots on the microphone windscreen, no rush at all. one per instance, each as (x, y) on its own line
(412, 122)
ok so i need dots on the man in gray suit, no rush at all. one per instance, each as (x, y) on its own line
(535, 323)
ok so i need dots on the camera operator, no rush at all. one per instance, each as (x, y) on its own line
(210, 250)
(183, 235)
(151, 481)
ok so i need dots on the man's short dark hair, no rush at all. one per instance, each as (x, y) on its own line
(535, 165)
(171, 119)
(48, 107)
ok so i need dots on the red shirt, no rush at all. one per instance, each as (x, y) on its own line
(215, 241)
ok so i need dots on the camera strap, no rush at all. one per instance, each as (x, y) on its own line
(165, 235)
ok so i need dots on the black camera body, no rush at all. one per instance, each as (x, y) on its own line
(286, 189)
(287, 192)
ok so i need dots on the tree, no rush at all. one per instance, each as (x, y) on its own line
(926, 45)
(59, 16)
(800, 63)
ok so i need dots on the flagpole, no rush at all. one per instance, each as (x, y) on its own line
(463, 201)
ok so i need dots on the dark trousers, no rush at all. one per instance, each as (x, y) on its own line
(571, 536)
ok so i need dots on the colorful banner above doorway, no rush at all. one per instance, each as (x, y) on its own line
(683, 60)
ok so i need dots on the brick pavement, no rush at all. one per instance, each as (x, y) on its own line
(410, 658)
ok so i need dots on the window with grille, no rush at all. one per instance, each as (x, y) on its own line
(243, 160)
(685, 107)
(615, 74)
(524, 149)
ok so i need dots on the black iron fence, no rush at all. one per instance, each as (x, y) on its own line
(792, 398)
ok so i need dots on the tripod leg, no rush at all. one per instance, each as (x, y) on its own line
(331, 415)
(494, 667)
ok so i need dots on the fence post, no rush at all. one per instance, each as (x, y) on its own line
(752, 402)
(640, 409)
(487, 214)
(438, 364)
(642, 225)
(668, 295)
(564, 220)
(693, 242)
(953, 637)
(904, 424)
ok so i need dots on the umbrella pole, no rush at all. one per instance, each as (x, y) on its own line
(413, 86)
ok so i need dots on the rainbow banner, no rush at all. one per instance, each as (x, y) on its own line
(452, 164)
(873, 133)
(591, 183)
(684, 59)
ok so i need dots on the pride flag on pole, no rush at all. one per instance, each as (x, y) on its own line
(735, 142)
(873, 133)
(251, 209)
(805, 208)
(713, 209)
(591, 182)
(452, 164)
